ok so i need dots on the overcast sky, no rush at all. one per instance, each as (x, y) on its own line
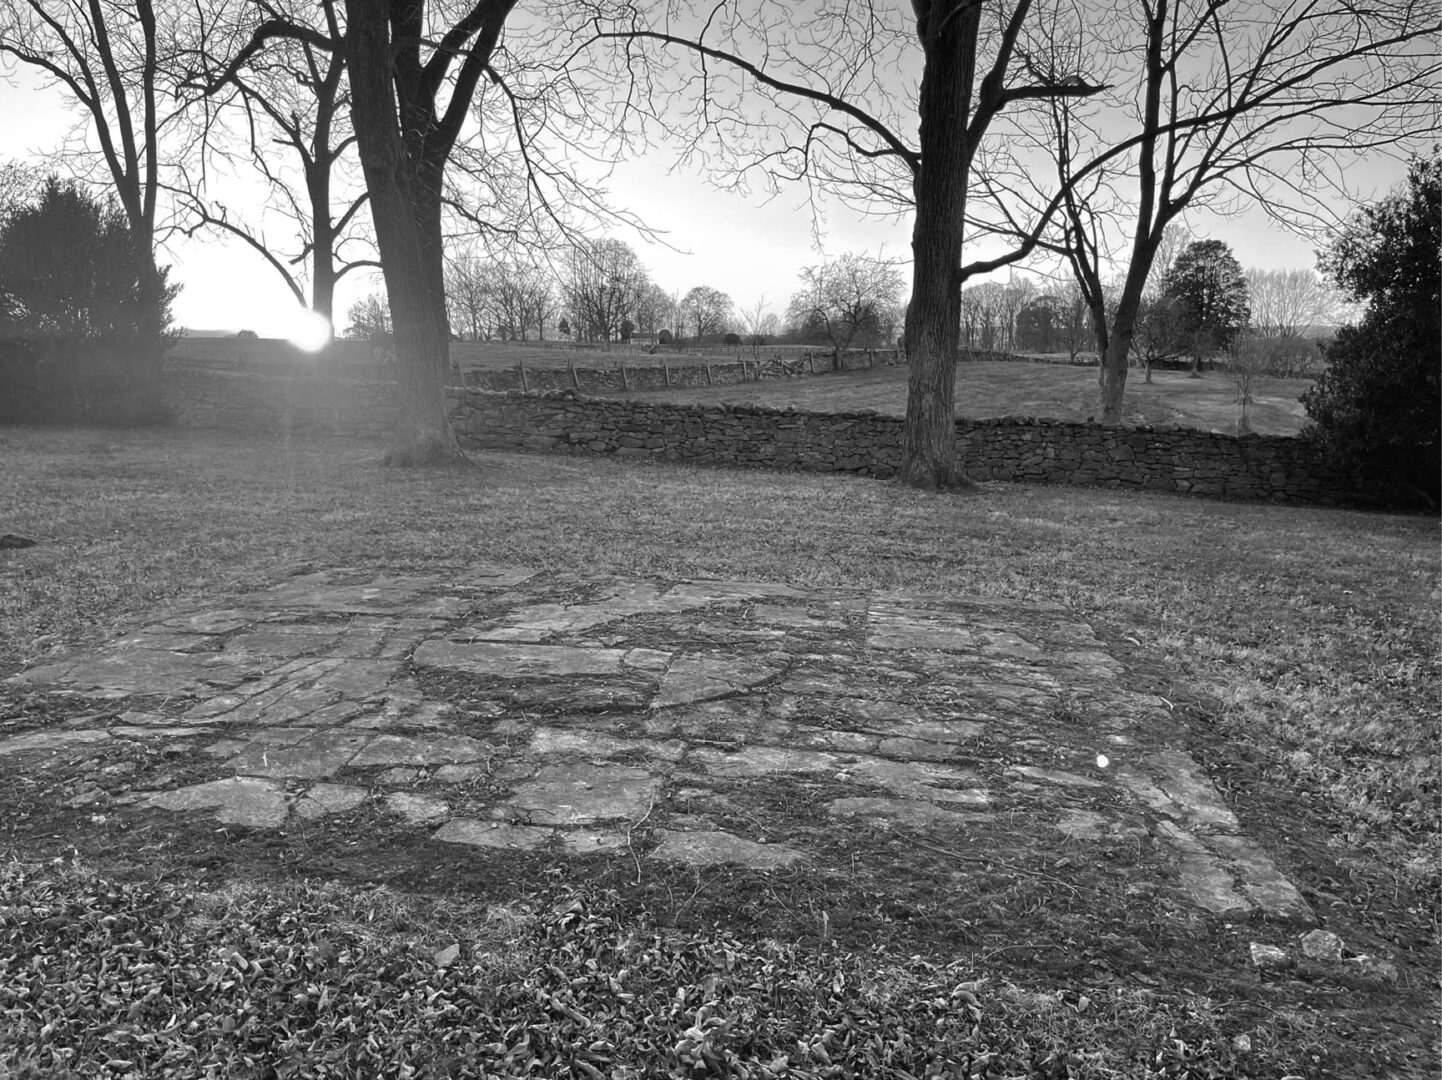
(747, 247)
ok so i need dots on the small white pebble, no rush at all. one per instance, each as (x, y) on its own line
(1103, 761)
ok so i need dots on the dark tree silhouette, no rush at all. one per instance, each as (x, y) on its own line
(1209, 291)
(1378, 403)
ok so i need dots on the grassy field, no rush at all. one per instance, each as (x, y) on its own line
(1014, 389)
(1300, 645)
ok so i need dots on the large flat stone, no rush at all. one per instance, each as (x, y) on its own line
(258, 804)
(416, 809)
(515, 660)
(910, 628)
(322, 799)
(714, 848)
(576, 794)
(50, 739)
(888, 812)
(763, 761)
(319, 756)
(419, 750)
(1203, 877)
(145, 671)
(580, 741)
(1174, 784)
(703, 678)
(491, 834)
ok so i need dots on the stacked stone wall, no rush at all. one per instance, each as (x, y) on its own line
(1010, 448)
(360, 401)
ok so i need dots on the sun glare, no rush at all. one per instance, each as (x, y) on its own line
(309, 331)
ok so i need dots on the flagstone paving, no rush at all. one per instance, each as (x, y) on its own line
(612, 718)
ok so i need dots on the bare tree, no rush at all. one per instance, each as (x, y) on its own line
(1229, 105)
(706, 311)
(759, 322)
(848, 299)
(654, 310)
(835, 118)
(19, 183)
(468, 295)
(416, 72)
(291, 95)
(1288, 303)
(105, 58)
(602, 285)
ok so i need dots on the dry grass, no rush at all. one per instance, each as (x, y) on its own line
(1014, 389)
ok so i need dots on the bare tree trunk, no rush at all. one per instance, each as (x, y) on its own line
(933, 319)
(405, 208)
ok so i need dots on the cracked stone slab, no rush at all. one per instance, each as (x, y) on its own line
(909, 628)
(50, 740)
(887, 812)
(1175, 785)
(418, 750)
(1261, 881)
(316, 757)
(592, 842)
(322, 799)
(491, 834)
(703, 678)
(1055, 776)
(144, 671)
(258, 804)
(417, 809)
(1203, 877)
(516, 660)
(581, 793)
(551, 740)
(715, 847)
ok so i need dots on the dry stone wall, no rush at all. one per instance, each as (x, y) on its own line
(1009, 448)
(358, 401)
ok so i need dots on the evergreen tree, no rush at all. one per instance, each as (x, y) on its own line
(1377, 405)
(1209, 291)
(83, 333)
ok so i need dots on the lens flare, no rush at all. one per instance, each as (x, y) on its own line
(309, 331)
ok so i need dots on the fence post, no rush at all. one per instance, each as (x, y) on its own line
(871, 358)
(625, 379)
(666, 372)
(521, 367)
(708, 371)
(575, 378)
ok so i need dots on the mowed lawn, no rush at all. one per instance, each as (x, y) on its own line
(1298, 645)
(991, 389)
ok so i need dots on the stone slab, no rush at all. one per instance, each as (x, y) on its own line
(887, 812)
(515, 660)
(322, 799)
(491, 834)
(714, 848)
(577, 794)
(419, 750)
(50, 740)
(417, 809)
(704, 678)
(1055, 776)
(314, 758)
(257, 804)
